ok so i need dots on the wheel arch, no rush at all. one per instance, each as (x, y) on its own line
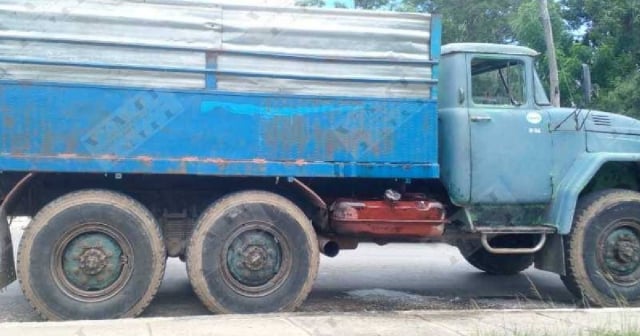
(591, 172)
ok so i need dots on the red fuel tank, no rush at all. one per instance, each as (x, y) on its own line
(415, 217)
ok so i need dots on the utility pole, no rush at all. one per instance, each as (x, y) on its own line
(554, 83)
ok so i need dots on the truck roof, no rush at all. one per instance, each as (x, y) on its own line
(487, 48)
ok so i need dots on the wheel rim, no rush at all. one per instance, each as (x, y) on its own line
(256, 259)
(92, 262)
(619, 252)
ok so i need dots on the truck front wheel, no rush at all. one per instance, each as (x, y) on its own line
(603, 249)
(91, 254)
(252, 252)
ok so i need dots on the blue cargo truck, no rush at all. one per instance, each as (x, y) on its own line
(247, 140)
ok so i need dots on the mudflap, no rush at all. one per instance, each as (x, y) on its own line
(7, 266)
(551, 257)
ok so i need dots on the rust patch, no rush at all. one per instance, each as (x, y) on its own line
(221, 163)
(216, 161)
(67, 156)
(145, 158)
(259, 161)
(189, 159)
(300, 162)
(147, 161)
(108, 157)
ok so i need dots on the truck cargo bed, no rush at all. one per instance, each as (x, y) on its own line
(194, 87)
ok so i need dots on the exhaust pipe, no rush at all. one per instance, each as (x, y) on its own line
(328, 247)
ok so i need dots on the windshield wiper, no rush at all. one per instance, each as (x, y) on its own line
(573, 114)
(506, 87)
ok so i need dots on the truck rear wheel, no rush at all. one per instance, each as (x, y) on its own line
(603, 249)
(91, 254)
(496, 264)
(252, 252)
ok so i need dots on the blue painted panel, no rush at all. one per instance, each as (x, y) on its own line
(510, 156)
(74, 128)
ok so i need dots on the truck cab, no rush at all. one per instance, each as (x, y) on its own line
(566, 178)
(494, 117)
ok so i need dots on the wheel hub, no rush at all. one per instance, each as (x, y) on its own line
(254, 258)
(622, 251)
(92, 261)
(627, 251)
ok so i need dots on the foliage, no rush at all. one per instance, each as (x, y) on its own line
(613, 35)
(364, 4)
(310, 3)
(371, 4)
(466, 21)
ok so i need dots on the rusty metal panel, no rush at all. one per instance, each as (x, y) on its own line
(415, 218)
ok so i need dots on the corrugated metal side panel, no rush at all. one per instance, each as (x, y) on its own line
(108, 33)
(277, 43)
(122, 22)
(329, 33)
(119, 77)
(307, 87)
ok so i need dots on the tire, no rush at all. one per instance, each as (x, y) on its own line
(496, 264)
(252, 252)
(602, 252)
(91, 254)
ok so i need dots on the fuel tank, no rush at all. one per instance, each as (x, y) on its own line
(412, 216)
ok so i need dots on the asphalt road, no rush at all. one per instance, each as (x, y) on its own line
(371, 278)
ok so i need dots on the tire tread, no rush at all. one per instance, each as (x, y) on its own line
(194, 259)
(106, 197)
(577, 278)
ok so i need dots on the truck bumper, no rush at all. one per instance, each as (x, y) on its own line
(7, 266)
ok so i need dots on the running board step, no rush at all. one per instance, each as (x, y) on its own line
(515, 229)
(485, 232)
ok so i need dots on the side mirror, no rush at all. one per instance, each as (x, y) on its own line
(587, 89)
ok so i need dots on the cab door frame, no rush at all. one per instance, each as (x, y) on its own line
(510, 146)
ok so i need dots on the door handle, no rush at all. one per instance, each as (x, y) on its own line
(480, 118)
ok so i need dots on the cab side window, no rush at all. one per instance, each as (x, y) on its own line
(498, 82)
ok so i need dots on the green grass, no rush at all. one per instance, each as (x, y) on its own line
(604, 332)
(635, 331)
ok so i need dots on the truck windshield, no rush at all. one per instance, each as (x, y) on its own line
(540, 94)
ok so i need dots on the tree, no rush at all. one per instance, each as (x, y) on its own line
(551, 53)
(612, 33)
(471, 21)
(570, 55)
(371, 4)
(310, 3)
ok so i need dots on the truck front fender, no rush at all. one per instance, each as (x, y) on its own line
(7, 266)
(584, 168)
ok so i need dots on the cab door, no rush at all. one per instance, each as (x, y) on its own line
(510, 138)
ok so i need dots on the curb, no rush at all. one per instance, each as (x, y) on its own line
(440, 323)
